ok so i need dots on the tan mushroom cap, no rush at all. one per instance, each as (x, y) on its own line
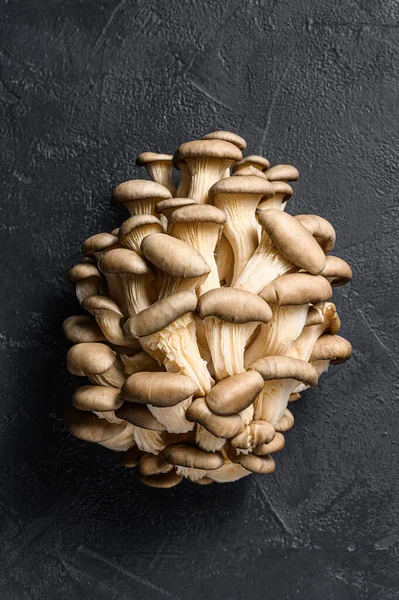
(285, 367)
(160, 314)
(207, 149)
(115, 231)
(203, 481)
(223, 427)
(245, 186)
(260, 163)
(82, 328)
(256, 464)
(249, 172)
(160, 389)
(96, 304)
(97, 397)
(146, 158)
(131, 457)
(153, 464)
(86, 426)
(140, 362)
(234, 394)
(293, 240)
(281, 188)
(234, 306)
(90, 359)
(83, 271)
(337, 271)
(163, 481)
(139, 415)
(321, 230)
(282, 173)
(139, 189)
(192, 457)
(135, 222)
(297, 288)
(286, 422)
(174, 256)
(198, 213)
(333, 348)
(98, 243)
(275, 445)
(171, 204)
(255, 433)
(227, 136)
(124, 262)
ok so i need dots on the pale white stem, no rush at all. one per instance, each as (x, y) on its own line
(148, 440)
(174, 417)
(121, 442)
(273, 399)
(204, 173)
(162, 173)
(228, 472)
(135, 288)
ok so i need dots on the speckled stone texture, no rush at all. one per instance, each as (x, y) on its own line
(85, 86)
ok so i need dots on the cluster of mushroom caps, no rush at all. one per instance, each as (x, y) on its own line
(209, 311)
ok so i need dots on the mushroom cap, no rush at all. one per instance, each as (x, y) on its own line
(286, 422)
(124, 262)
(285, 367)
(259, 162)
(256, 464)
(139, 189)
(207, 149)
(255, 433)
(227, 136)
(331, 347)
(161, 389)
(97, 397)
(146, 158)
(115, 231)
(245, 186)
(337, 270)
(249, 172)
(275, 445)
(321, 230)
(282, 173)
(293, 240)
(235, 393)
(234, 306)
(173, 256)
(98, 243)
(153, 464)
(86, 426)
(82, 328)
(160, 314)
(140, 362)
(131, 457)
(139, 415)
(282, 187)
(198, 213)
(137, 221)
(163, 480)
(83, 271)
(90, 359)
(95, 304)
(192, 457)
(173, 204)
(297, 288)
(223, 427)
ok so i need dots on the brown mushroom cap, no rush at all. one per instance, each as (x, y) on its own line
(337, 271)
(282, 173)
(160, 389)
(275, 445)
(245, 186)
(203, 481)
(234, 306)
(86, 426)
(97, 397)
(98, 243)
(163, 480)
(297, 288)
(82, 328)
(258, 162)
(234, 394)
(198, 213)
(285, 367)
(250, 172)
(90, 359)
(160, 314)
(131, 457)
(139, 189)
(333, 348)
(293, 240)
(171, 204)
(192, 457)
(95, 304)
(227, 136)
(83, 271)
(139, 415)
(124, 262)
(146, 158)
(286, 422)
(256, 464)
(255, 433)
(140, 362)
(135, 222)
(223, 427)
(321, 230)
(280, 188)
(153, 464)
(207, 149)
(174, 256)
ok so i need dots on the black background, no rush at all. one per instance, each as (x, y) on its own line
(85, 86)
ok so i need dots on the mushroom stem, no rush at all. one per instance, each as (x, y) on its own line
(204, 173)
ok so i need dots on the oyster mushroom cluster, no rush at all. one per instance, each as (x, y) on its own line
(208, 311)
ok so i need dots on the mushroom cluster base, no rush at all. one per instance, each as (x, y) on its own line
(208, 311)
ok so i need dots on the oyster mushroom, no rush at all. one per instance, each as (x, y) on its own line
(153, 464)
(87, 279)
(282, 192)
(109, 318)
(256, 433)
(260, 163)
(282, 173)
(164, 480)
(86, 426)
(97, 362)
(234, 394)
(140, 196)
(221, 427)
(192, 461)
(135, 229)
(256, 464)
(97, 398)
(140, 362)
(82, 328)
(275, 445)
(159, 168)
(227, 136)
(321, 230)
(337, 271)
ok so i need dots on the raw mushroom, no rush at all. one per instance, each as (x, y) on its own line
(87, 426)
(109, 318)
(135, 229)
(159, 168)
(97, 362)
(282, 192)
(321, 230)
(82, 328)
(164, 481)
(227, 136)
(140, 196)
(87, 279)
(337, 271)
(282, 173)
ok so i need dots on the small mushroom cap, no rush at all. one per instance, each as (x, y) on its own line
(254, 434)
(227, 136)
(160, 314)
(124, 262)
(140, 362)
(282, 187)
(82, 328)
(139, 415)
(83, 271)
(88, 427)
(234, 306)
(152, 464)
(285, 367)
(223, 427)
(97, 397)
(137, 221)
(98, 243)
(139, 189)
(245, 186)
(173, 204)
(146, 158)
(337, 271)
(250, 172)
(275, 445)
(331, 347)
(198, 213)
(234, 394)
(174, 256)
(160, 389)
(96, 304)
(90, 359)
(258, 162)
(293, 240)
(163, 480)
(256, 464)
(286, 422)
(131, 457)
(321, 230)
(192, 457)
(282, 173)
(207, 149)
(297, 288)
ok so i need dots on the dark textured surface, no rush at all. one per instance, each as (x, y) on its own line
(85, 86)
